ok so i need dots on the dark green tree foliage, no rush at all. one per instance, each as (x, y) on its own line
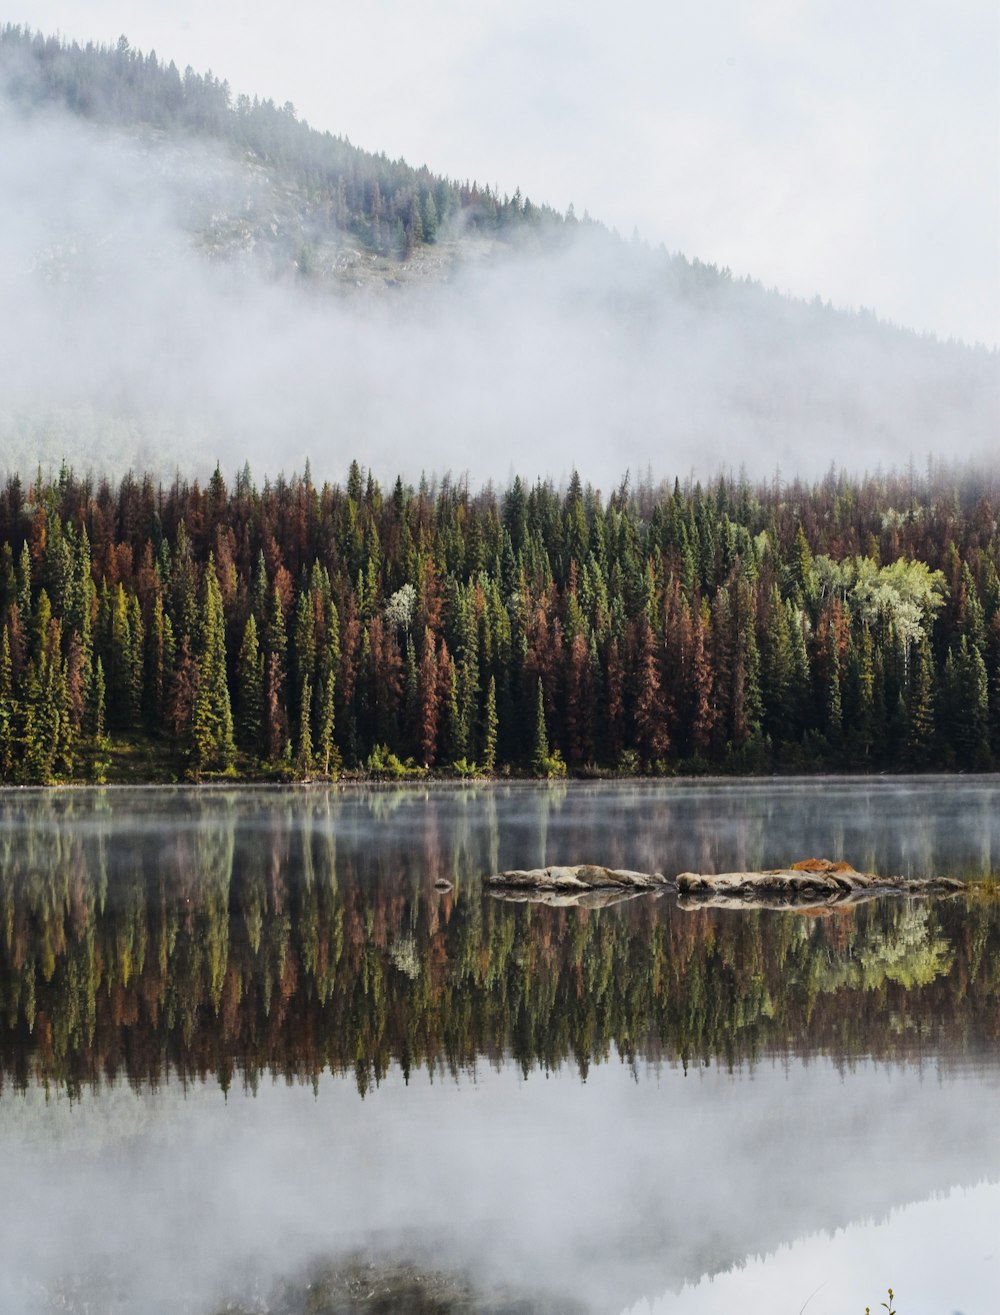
(492, 728)
(250, 688)
(8, 709)
(210, 734)
(428, 621)
(304, 751)
(540, 739)
(920, 706)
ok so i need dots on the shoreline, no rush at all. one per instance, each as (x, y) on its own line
(451, 781)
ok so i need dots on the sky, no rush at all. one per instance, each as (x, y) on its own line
(826, 147)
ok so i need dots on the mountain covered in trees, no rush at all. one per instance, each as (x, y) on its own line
(193, 276)
(310, 628)
(304, 630)
(387, 206)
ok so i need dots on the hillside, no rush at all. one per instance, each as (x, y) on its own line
(316, 199)
(192, 277)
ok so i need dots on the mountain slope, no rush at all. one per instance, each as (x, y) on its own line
(189, 279)
(388, 207)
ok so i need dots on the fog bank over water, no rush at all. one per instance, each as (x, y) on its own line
(148, 326)
(602, 1192)
(247, 1037)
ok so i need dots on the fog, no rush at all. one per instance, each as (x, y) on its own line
(604, 1193)
(918, 827)
(155, 320)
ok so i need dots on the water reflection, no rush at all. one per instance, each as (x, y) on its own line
(751, 1077)
(941, 1254)
(568, 1195)
(292, 932)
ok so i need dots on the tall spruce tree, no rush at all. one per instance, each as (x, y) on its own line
(211, 732)
(250, 689)
(540, 740)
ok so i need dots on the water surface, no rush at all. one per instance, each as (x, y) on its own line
(247, 1043)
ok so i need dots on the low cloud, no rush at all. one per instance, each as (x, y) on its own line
(127, 343)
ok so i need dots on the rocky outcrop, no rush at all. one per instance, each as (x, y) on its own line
(813, 883)
(578, 879)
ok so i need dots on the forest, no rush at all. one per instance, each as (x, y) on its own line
(295, 631)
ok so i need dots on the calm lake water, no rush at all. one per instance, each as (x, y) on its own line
(252, 1060)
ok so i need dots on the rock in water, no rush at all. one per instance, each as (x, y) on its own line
(583, 876)
(813, 882)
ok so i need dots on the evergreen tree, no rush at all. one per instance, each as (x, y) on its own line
(250, 688)
(492, 729)
(24, 584)
(777, 670)
(211, 732)
(8, 709)
(121, 682)
(920, 705)
(540, 739)
(651, 736)
(155, 666)
(969, 729)
(183, 587)
(325, 749)
(303, 756)
(97, 715)
(428, 697)
(832, 707)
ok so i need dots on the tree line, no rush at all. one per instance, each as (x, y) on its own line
(304, 630)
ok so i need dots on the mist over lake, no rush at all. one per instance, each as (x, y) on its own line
(249, 1047)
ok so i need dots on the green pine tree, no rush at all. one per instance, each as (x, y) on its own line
(326, 752)
(492, 728)
(920, 705)
(303, 756)
(210, 741)
(250, 688)
(540, 739)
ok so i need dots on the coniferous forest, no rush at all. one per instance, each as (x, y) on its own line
(181, 631)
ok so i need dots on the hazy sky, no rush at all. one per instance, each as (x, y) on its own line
(824, 146)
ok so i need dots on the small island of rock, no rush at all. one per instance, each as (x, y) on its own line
(808, 884)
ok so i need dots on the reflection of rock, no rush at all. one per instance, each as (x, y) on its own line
(404, 954)
(582, 877)
(382, 1284)
(558, 899)
(813, 883)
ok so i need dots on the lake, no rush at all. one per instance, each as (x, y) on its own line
(253, 1060)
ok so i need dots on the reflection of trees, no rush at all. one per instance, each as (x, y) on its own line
(247, 942)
